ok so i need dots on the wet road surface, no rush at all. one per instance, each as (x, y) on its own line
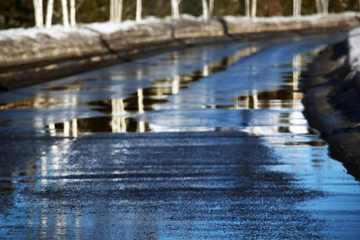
(208, 142)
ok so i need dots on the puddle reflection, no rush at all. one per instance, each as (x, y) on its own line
(275, 115)
(6, 187)
(121, 115)
(316, 143)
(105, 124)
(141, 101)
(288, 96)
(35, 103)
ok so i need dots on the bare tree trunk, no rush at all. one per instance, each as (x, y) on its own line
(49, 13)
(325, 7)
(116, 7)
(36, 13)
(119, 11)
(138, 10)
(318, 6)
(253, 9)
(72, 13)
(205, 9)
(112, 12)
(65, 13)
(116, 2)
(38, 10)
(247, 8)
(211, 7)
(175, 9)
(297, 8)
(41, 17)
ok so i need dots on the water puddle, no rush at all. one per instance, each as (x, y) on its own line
(74, 86)
(128, 105)
(35, 103)
(123, 115)
(254, 90)
(285, 98)
(139, 102)
(104, 124)
(315, 143)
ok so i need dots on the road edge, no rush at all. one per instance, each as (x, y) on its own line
(329, 87)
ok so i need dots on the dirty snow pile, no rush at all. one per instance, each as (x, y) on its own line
(55, 32)
(354, 44)
(286, 19)
(111, 27)
(61, 32)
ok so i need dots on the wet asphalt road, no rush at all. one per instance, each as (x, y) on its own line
(204, 143)
(144, 186)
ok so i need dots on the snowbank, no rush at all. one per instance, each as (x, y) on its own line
(332, 96)
(354, 47)
(56, 32)
(111, 27)
(59, 51)
(61, 32)
(281, 19)
(238, 25)
(28, 46)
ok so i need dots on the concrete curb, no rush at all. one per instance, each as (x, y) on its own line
(28, 60)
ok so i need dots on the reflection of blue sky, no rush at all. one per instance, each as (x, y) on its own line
(196, 107)
(227, 100)
(67, 99)
(307, 158)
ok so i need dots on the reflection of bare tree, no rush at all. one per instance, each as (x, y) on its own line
(287, 97)
(175, 84)
(53, 163)
(297, 63)
(206, 71)
(144, 99)
(140, 95)
(117, 124)
(111, 124)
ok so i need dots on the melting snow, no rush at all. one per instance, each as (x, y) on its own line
(93, 29)
(61, 32)
(111, 27)
(354, 42)
(57, 32)
(280, 19)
